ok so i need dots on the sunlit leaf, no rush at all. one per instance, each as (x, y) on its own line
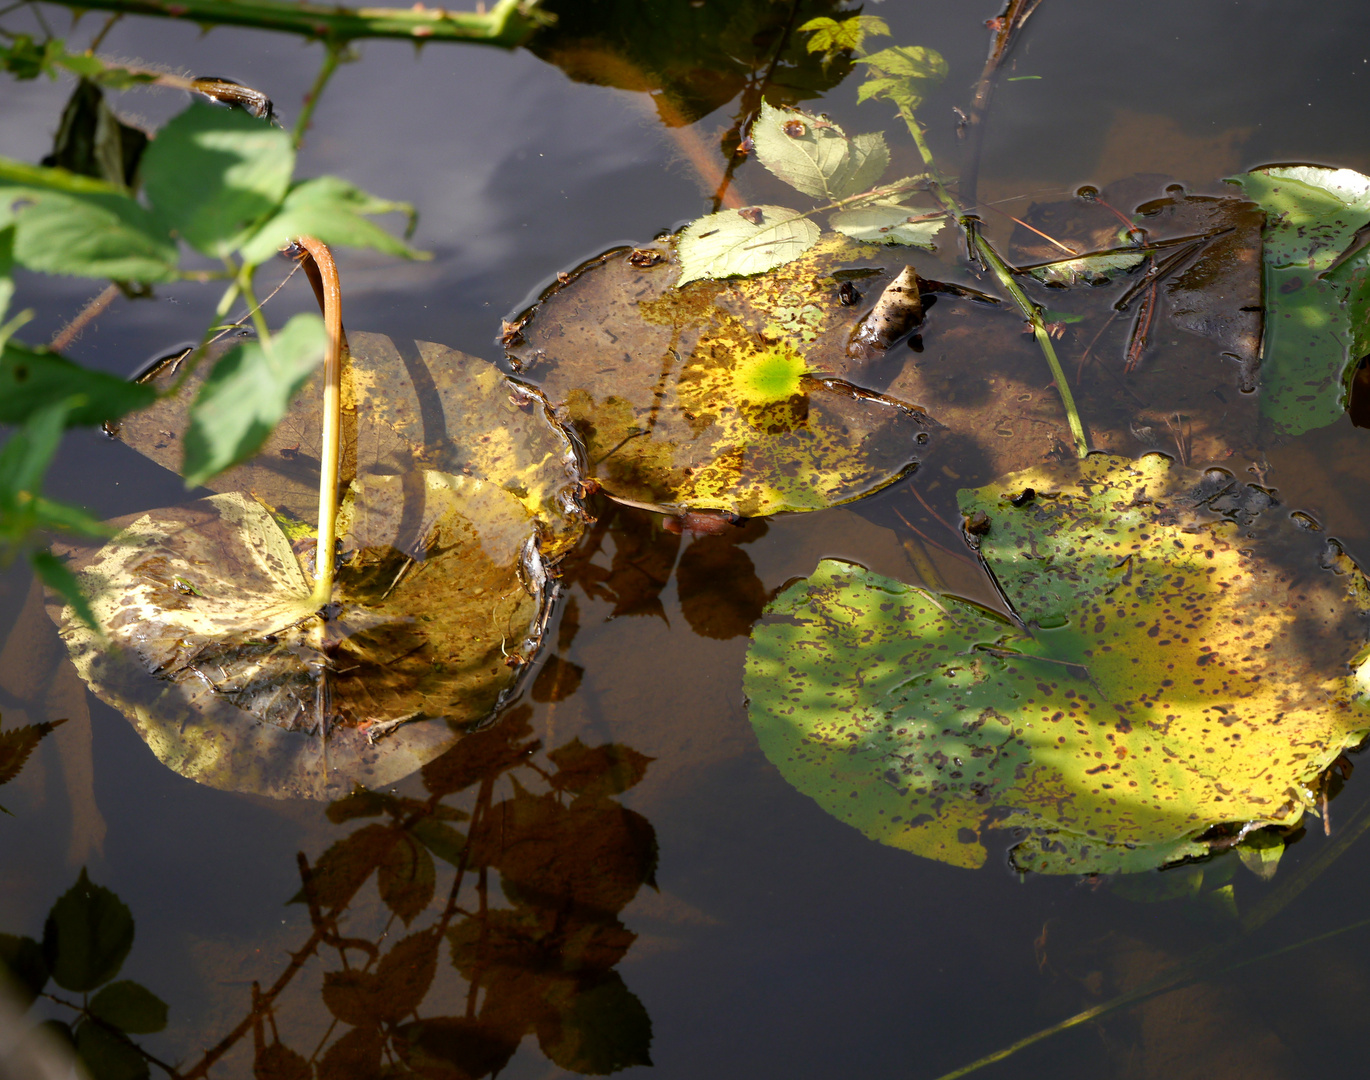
(6, 274)
(1313, 306)
(734, 243)
(737, 396)
(130, 1007)
(247, 394)
(1184, 659)
(1261, 852)
(210, 173)
(331, 210)
(1089, 269)
(69, 224)
(88, 933)
(815, 156)
(888, 224)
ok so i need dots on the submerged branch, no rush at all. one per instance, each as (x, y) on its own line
(508, 24)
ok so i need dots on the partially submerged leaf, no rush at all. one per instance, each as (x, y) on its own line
(720, 396)
(902, 74)
(232, 678)
(1183, 658)
(1089, 269)
(815, 156)
(889, 224)
(734, 243)
(1316, 290)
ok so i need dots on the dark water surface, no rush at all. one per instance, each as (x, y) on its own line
(779, 942)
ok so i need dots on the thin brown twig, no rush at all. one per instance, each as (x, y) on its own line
(93, 310)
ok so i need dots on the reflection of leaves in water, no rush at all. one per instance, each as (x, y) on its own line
(720, 593)
(693, 58)
(1180, 663)
(644, 555)
(16, 744)
(87, 936)
(568, 860)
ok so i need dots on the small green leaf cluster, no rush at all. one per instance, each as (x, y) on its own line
(816, 157)
(214, 180)
(86, 939)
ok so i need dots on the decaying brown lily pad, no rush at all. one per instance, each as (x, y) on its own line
(460, 499)
(733, 395)
(406, 405)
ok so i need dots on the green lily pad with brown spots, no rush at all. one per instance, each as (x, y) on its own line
(1183, 656)
(735, 395)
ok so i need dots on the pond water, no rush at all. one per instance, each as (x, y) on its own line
(772, 939)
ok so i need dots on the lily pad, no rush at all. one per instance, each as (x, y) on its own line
(406, 405)
(459, 499)
(1182, 656)
(720, 395)
(1316, 290)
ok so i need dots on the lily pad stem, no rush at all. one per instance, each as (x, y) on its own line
(985, 250)
(332, 419)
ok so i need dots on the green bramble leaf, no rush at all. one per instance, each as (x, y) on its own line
(246, 395)
(815, 156)
(31, 379)
(748, 241)
(23, 971)
(76, 225)
(211, 174)
(53, 573)
(884, 223)
(902, 74)
(1090, 269)
(335, 212)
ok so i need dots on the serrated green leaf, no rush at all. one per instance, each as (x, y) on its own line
(727, 244)
(130, 1006)
(88, 934)
(333, 211)
(246, 394)
(31, 379)
(25, 59)
(1090, 269)
(26, 454)
(212, 173)
(888, 224)
(867, 161)
(76, 225)
(804, 150)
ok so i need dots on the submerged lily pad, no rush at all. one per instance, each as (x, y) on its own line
(720, 395)
(1183, 657)
(1317, 290)
(461, 497)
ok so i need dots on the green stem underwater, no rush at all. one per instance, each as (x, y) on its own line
(985, 251)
